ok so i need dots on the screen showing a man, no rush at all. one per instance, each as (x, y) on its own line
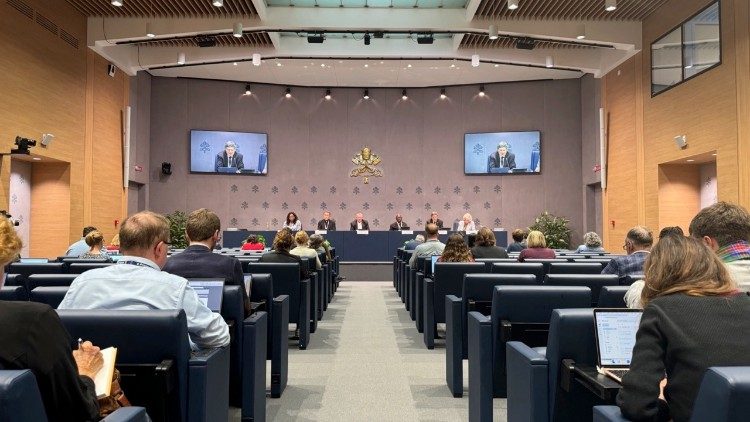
(229, 159)
(502, 158)
(502, 153)
(218, 152)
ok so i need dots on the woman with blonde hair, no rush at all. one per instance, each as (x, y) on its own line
(694, 318)
(591, 243)
(95, 240)
(536, 247)
(303, 248)
(456, 250)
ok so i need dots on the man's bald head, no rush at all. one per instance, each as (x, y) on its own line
(143, 230)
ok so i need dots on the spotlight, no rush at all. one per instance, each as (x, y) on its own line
(610, 5)
(218, 3)
(149, 30)
(493, 32)
(248, 91)
(512, 4)
(328, 94)
(367, 39)
(117, 3)
(22, 145)
(181, 58)
(549, 61)
(475, 60)
(404, 96)
(366, 95)
(315, 38)
(237, 31)
(425, 38)
(288, 92)
(256, 59)
(481, 90)
(581, 32)
(442, 94)
(525, 43)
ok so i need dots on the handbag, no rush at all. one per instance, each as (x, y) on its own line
(116, 398)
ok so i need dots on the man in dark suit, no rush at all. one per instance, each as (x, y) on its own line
(359, 223)
(502, 158)
(399, 224)
(198, 260)
(229, 157)
(435, 220)
(327, 223)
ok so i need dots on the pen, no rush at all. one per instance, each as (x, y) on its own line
(79, 343)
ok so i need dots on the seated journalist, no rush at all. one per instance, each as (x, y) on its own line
(137, 282)
(485, 247)
(282, 243)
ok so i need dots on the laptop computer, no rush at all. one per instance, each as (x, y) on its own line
(248, 282)
(210, 291)
(34, 260)
(615, 337)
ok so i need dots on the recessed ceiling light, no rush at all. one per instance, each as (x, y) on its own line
(234, 64)
(366, 95)
(549, 61)
(117, 3)
(248, 90)
(404, 96)
(610, 5)
(288, 92)
(367, 65)
(37, 158)
(218, 3)
(328, 94)
(714, 154)
(690, 160)
(322, 65)
(497, 65)
(453, 65)
(475, 60)
(381, 62)
(481, 90)
(278, 64)
(408, 65)
(512, 4)
(442, 94)
(256, 59)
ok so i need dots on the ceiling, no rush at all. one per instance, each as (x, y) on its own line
(278, 29)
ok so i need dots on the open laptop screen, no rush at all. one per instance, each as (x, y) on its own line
(34, 260)
(210, 292)
(615, 335)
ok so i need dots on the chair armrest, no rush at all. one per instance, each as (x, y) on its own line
(314, 288)
(208, 385)
(254, 347)
(527, 383)
(428, 318)
(480, 367)
(128, 414)
(527, 353)
(454, 350)
(304, 322)
(279, 345)
(608, 414)
(419, 301)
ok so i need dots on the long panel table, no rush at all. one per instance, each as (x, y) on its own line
(375, 246)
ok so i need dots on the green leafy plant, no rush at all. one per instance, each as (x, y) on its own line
(261, 239)
(177, 221)
(555, 229)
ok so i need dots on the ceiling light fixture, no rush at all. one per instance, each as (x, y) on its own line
(549, 61)
(328, 94)
(248, 91)
(493, 32)
(278, 64)
(288, 92)
(366, 95)
(117, 3)
(475, 60)
(234, 64)
(497, 65)
(367, 39)
(610, 5)
(366, 65)
(218, 3)
(442, 94)
(409, 65)
(512, 4)
(256, 59)
(149, 30)
(237, 30)
(425, 38)
(181, 58)
(581, 32)
(481, 90)
(315, 38)
(403, 95)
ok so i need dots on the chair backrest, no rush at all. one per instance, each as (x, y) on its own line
(575, 268)
(262, 291)
(546, 262)
(489, 261)
(17, 293)
(20, 399)
(612, 297)
(595, 282)
(142, 338)
(73, 260)
(232, 309)
(49, 280)
(537, 269)
(571, 336)
(449, 279)
(479, 288)
(285, 282)
(15, 280)
(724, 395)
(81, 267)
(28, 269)
(51, 296)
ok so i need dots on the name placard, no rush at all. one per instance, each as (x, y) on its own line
(442, 231)
(363, 232)
(321, 231)
(498, 229)
(407, 231)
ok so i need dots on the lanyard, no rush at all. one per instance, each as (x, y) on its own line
(136, 263)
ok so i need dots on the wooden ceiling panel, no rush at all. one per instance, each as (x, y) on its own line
(165, 8)
(483, 41)
(627, 10)
(256, 39)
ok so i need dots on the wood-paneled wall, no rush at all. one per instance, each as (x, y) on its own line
(50, 86)
(712, 110)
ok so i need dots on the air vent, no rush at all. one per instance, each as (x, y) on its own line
(22, 7)
(69, 38)
(46, 23)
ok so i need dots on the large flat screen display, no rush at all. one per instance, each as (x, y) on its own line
(228, 152)
(502, 153)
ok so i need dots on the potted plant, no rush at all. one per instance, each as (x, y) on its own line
(177, 221)
(555, 229)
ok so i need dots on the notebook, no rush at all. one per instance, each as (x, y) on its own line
(615, 337)
(103, 378)
(210, 292)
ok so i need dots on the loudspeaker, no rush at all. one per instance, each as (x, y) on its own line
(111, 70)
(166, 168)
(680, 141)
(47, 139)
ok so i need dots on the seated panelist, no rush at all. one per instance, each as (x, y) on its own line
(229, 157)
(327, 223)
(502, 158)
(359, 223)
(399, 224)
(435, 220)
(466, 224)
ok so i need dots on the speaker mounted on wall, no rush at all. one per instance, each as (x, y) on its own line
(111, 70)
(166, 168)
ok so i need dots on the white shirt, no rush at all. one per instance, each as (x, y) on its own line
(471, 227)
(137, 283)
(295, 227)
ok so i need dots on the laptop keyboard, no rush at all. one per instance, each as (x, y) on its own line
(618, 373)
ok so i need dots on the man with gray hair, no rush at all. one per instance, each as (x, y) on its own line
(229, 158)
(502, 158)
(638, 243)
(431, 246)
(412, 244)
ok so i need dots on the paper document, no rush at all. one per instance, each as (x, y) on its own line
(103, 378)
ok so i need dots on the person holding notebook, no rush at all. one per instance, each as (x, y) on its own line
(694, 317)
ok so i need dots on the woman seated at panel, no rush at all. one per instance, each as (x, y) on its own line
(282, 243)
(292, 222)
(694, 318)
(484, 245)
(536, 248)
(456, 250)
(591, 243)
(303, 250)
(95, 241)
(252, 244)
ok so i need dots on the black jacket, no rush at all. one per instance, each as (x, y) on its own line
(286, 257)
(365, 225)
(223, 161)
(331, 225)
(394, 226)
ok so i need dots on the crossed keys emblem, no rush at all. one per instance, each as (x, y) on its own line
(366, 161)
